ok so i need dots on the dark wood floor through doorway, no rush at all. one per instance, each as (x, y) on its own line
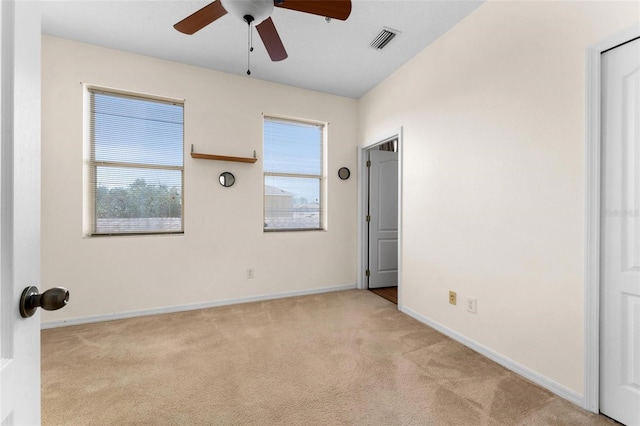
(389, 293)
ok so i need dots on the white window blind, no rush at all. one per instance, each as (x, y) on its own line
(137, 164)
(293, 175)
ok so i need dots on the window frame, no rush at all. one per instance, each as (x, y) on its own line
(91, 165)
(322, 177)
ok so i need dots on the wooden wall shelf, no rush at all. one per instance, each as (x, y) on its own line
(223, 157)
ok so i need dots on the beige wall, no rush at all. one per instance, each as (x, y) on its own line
(223, 226)
(493, 118)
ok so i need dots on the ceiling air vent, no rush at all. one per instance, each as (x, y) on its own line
(382, 39)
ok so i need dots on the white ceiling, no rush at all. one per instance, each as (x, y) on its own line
(332, 57)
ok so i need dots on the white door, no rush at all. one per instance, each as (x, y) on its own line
(620, 245)
(19, 209)
(383, 218)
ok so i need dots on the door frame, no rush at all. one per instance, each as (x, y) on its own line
(363, 251)
(591, 398)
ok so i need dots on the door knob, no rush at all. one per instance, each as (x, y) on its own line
(50, 300)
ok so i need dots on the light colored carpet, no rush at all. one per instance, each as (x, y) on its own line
(342, 358)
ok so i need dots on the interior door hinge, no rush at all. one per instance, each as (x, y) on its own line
(368, 273)
(368, 218)
(368, 163)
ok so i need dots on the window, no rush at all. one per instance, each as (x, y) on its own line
(293, 175)
(136, 164)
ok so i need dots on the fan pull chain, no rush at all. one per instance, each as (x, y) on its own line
(249, 19)
(249, 50)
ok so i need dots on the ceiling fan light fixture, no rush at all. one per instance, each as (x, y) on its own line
(257, 14)
(259, 10)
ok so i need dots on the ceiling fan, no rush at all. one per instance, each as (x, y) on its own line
(258, 13)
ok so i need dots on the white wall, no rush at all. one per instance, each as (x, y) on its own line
(223, 226)
(493, 118)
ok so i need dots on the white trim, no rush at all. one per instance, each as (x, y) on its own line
(592, 235)
(591, 399)
(362, 200)
(138, 95)
(191, 306)
(508, 363)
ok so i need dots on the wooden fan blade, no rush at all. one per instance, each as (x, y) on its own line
(271, 40)
(338, 9)
(201, 18)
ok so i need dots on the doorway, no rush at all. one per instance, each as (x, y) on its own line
(380, 217)
(620, 234)
(612, 256)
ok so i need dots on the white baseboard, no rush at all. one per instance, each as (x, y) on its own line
(190, 307)
(517, 368)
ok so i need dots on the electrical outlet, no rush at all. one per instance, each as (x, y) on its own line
(453, 297)
(250, 273)
(471, 305)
